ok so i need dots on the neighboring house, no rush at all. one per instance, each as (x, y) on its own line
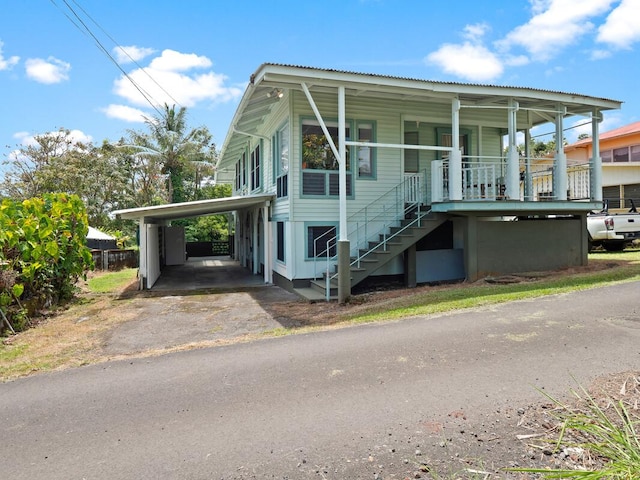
(424, 192)
(97, 240)
(620, 153)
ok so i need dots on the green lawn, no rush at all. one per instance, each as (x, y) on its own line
(112, 281)
(440, 300)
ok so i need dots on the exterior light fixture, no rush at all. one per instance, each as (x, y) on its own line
(276, 93)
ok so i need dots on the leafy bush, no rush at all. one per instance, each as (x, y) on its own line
(42, 254)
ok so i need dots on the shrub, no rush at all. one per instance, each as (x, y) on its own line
(42, 254)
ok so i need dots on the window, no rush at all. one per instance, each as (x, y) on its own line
(255, 168)
(280, 241)
(607, 156)
(634, 153)
(621, 154)
(281, 156)
(319, 164)
(321, 241)
(366, 161)
(241, 172)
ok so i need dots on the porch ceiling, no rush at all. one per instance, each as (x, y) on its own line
(198, 208)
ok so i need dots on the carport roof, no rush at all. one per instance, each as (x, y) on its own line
(172, 211)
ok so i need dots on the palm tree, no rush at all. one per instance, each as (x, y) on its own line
(177, 150)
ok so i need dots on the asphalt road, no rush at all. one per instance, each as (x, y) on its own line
(333, 404)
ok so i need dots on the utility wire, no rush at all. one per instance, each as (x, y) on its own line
(126, 53)
(86, 30)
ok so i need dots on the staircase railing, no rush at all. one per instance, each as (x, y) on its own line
(372, 224)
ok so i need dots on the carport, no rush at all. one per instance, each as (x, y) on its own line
(158, 240)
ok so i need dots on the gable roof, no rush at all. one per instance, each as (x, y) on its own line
(257, 103)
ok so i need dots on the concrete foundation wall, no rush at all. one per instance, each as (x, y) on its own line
(529, 245)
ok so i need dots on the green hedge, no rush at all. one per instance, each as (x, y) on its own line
(42, 254)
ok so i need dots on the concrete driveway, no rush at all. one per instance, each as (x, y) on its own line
(208, 299)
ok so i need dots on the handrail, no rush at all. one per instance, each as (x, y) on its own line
(374, 220)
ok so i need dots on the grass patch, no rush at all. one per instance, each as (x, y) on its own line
(603, 432)
(110, 282)
(440, 300)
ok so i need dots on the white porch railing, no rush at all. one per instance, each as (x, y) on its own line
(484, 181)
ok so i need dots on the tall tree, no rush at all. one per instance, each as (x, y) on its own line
(177, 149)
(56, 163)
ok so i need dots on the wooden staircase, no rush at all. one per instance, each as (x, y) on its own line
(377, 253)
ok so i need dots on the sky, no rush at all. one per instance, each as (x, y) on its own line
(81, 65)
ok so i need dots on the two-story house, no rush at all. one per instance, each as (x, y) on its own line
(342, 177)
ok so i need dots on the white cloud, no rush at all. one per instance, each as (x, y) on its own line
(131, 53)
(475, 32)
(555, 25)
(600, 54)
(126, 113)
(622, 28)
(47, 71)
(167, 79)
(7, 63)
(172, 61)
(469, 61)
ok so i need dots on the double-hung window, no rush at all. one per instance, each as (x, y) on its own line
(366, 154)
(320, 176)
(255, 168)
(281, 156)
(241, 173)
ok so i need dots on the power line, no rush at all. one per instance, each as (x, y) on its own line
(86, 30)
(126, 53)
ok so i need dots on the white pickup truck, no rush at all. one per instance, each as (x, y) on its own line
(613, 230)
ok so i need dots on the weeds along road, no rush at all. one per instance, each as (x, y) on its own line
(345, 403)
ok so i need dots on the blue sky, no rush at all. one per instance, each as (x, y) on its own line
(200, 54)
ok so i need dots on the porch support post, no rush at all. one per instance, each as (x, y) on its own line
(512, 180)
(255, 253)
(267, 245)
(528, 177)
(142, 254)
(560, 165)
(455, 159)
(596, 159)
(344, 273)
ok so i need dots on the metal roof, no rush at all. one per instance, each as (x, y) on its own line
(198, 208)
(256, 103)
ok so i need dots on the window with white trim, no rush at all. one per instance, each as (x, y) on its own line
(280, 247)
(241, 173)
(255, 168)
(281, 161)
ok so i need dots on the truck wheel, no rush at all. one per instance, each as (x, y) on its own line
(613, 246)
